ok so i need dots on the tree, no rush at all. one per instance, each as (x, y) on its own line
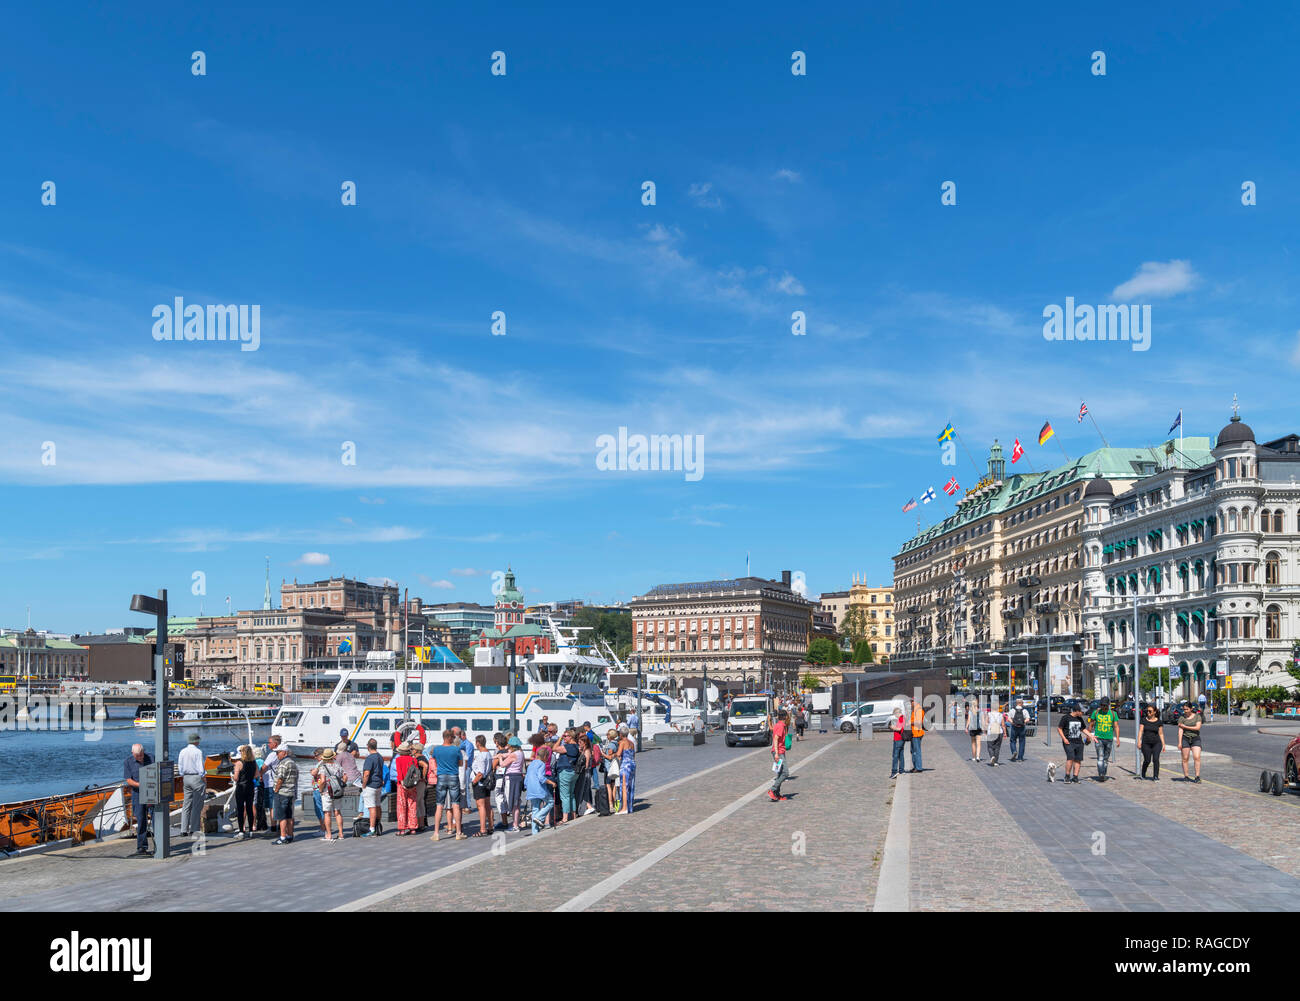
(823, 651)
(467, 655)
(810, 681)
(856, 625)
(1149, 679)
(862, 653)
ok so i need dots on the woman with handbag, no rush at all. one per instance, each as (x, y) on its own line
(482, 780)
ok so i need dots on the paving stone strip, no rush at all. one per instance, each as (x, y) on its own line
(967, 851)
(1256, 824)
(1117, 854)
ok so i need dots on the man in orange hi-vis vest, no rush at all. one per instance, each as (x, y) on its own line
(918, 731)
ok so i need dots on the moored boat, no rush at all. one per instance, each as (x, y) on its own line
(52, 818)
(146, 717)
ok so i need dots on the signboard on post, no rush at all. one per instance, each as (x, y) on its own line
(1158, 657)
(1220, 667)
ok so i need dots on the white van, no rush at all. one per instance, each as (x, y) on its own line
(871, 715)
(748, 720)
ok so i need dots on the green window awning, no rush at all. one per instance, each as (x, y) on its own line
(1153, 572)
(1182, 567)
(1199, 565)
(1182, 667)
(1108, 549)
(1133, 581)
(1182, 617)
(1198, 615)
(1153, 621)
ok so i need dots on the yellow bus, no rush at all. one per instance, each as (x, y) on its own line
(267, 689)
(8, 683)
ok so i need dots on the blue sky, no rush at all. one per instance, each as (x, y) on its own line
(522, 193)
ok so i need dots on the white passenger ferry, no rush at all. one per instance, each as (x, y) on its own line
(214, 715)
(376, 698)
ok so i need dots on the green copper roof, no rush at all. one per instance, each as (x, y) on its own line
(1020, 488)
(510, 593)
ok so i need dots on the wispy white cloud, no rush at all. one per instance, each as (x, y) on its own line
(1157, 280)
(788, 284)
(444, 585)
(787, 175)
(702, 194)
(312, 559)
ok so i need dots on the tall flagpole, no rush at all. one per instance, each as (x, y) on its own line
(966, 450)
(1099, 434)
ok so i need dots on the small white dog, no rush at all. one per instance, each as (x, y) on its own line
(1051, 771)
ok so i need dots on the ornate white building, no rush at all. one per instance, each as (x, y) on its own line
(1212, 556)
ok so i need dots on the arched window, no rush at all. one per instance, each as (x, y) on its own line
(1221, 523)
(1273, 622)
(1277, 521)
(1247, 521)
(1232, 519)
(1272, 569)
(1154, 629)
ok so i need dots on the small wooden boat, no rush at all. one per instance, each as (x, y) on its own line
(52, 818)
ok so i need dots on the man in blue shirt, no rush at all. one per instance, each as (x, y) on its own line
(447, 762)
(372, 785)
(131, 775)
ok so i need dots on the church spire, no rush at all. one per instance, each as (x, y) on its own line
(266, 594)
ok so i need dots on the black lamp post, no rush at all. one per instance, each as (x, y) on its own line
(161, 812)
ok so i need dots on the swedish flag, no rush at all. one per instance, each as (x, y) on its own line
(947, 433)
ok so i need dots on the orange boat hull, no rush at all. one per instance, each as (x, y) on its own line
(54, 818)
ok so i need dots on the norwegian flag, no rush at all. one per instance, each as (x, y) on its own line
(951, 487)
(1083, 412)
(1016, 451)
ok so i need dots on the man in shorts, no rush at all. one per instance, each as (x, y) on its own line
(1074, 734)
(447, 761)
(372, 785)
(285, 792)
(1103, 724)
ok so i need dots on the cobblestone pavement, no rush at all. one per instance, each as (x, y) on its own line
(819, 849)
(255, 875)
(1118, 854)
(967, 851)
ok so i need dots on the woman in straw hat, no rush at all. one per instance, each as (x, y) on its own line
(331, 783)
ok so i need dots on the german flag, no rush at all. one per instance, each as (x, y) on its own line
(1045, 433)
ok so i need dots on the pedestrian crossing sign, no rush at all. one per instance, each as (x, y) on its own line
(1211, 685)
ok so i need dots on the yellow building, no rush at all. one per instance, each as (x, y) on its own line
(877, 604)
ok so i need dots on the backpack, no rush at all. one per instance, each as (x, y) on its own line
(333, 782)
(1018, 718)
(412, 777)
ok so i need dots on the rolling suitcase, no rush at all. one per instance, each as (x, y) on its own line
(602, 801)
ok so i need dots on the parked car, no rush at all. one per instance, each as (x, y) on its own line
(227, 688)
(1057, 702)
(1127, 709)
(1174, 710)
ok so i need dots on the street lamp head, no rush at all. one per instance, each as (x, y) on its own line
(146, 604)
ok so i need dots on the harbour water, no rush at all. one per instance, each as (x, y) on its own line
(42, 762)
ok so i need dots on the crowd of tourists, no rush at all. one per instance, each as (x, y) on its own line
(452, 787)
(1100, 728)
